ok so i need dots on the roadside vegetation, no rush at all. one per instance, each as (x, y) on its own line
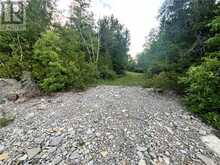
(183, 54)
(70, 56)
(129, 79)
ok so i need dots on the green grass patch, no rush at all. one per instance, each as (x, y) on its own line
(6, 121)
(129, 79)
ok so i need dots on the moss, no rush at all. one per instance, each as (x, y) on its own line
(6, 121)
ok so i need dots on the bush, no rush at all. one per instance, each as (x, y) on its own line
(10, 66)
(164, 81)
(55, 73)
(203, 89)
(106, 74)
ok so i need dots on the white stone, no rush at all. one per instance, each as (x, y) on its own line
(142, 162)
(213, 143)
(2, 148)
(33, 152)
(205, 159)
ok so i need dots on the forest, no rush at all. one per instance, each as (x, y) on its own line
(66, 56)
(183, 54)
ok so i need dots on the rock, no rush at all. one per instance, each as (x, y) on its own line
(163, 160)
(2, 148)
(57, 160)
(140, 155)
(33, 152)
(152, 155)
(55, 130)
(52, 150)
(104, 153)
(29, 116)
(29, 87)
(124, 162)
(141, 149)
(212, 142)
(142, 162)
(169, 130)
(91, 162)
(55, 141)
(90, 131)
(4, 156)
(98, 134)
(23, 158)
(9, 87)
(202, 132)
(74, 155)
(205, 159)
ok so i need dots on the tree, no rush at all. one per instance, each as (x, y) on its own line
(82, 20)
(114, 39)
(17, 47)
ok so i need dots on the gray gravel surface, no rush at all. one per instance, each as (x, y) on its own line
(104, 125)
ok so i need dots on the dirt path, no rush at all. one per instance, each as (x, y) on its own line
(105, 125)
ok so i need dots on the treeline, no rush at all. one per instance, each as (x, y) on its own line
(184, 54)
(66, 56)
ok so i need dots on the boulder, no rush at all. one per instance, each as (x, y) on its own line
(12, 89)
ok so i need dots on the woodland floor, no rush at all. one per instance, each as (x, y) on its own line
(105, 125)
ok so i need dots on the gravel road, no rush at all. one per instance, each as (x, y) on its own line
(105, 125)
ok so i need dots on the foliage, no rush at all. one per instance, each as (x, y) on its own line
(52, 72)
(5, 121)
(114, 39)
(203, 90)
(129, 79)
(187, 43)
(163, 81)
(202, 82)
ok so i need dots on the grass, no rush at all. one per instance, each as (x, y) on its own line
(129, 79)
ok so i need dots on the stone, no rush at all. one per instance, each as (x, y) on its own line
(152, 155)
(74, 155)
(29, 116)
(141, 149)
(90, 131)
(205, 159)
(212, 142)
(169, 130)
(23, 158)
(142, 162)
(55, 141)
(9, 87)
(33, 152)
(57, 160)
(4, 156)
(104, 153)
(2, 148)
(140, 155)
(202, 132)
(98, 134)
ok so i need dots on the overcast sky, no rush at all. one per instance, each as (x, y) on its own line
(139, 16)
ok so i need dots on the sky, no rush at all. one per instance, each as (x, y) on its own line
(139, 16)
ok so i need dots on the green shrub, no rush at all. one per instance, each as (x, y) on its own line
(203, 89)
(53, 72)
(80, 73)
(106, 74)
(164, 81)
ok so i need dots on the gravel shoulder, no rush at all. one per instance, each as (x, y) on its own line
(105, 125)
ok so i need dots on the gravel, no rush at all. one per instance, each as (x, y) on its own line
(104, 125)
